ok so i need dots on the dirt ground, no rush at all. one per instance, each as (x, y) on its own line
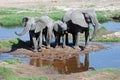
(33, 71)
(28, 70)
(62, 4)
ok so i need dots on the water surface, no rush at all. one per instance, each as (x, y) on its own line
(8, 33)
(106, 58)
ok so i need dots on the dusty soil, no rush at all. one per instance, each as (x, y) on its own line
(62, 4)
(27, 70)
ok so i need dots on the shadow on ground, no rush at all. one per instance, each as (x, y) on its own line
(20, 44)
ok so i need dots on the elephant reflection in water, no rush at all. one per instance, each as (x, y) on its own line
(65, 66)
(36, 26)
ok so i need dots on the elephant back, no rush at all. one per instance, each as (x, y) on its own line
(59, 26)
(47, 20)
(78, 18)
(66, 16)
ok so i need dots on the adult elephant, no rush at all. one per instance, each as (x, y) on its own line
(60, 30)
(36, 27)
(78, 22)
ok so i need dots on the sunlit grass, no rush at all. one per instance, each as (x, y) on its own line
(32, 78)
(13, 16)
(109, 70)
(12, 61)
(7, 74)
(106, 40)
(15, 42)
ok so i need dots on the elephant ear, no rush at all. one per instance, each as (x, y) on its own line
(40, 25)
(78, 18)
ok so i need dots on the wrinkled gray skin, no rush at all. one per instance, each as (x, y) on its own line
(36, 26)
(60, 30)
(78, 21)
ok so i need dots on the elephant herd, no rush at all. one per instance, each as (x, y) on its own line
(73, 21)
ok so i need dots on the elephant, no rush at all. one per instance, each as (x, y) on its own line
(60, 29)
(78, 21)
(37, 26)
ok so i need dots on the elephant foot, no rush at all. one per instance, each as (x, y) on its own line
(63, 46)
(48, 47)
(40, 49)
(76, 47)
(35, 50)
(56, 46)
(87, 47)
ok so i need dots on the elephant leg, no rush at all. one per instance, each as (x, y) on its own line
(31, 41)
(86, 38)
(40, 41)
(76, 46)
(43, 38)
(63, 38)
(59, 39)
(35, 43)
(56, 40)
(74, 38)
(67, 42)
(48, 38)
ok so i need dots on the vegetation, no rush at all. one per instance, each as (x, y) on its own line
(12, 61)
(109, 70)
(33, 78)
(12, 16)
(15, 42)
(7, 74)
(103, 16)
(106, 40)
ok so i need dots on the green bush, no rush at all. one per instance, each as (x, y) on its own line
(102, 28)
(16, 42)
(102, 18)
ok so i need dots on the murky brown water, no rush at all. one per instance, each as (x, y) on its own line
(63, 65)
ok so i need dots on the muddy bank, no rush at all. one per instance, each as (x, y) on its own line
(28, 70)
(59, 50)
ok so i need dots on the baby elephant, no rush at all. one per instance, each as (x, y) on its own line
(60, 30)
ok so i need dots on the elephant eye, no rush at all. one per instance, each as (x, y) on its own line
(88, 20)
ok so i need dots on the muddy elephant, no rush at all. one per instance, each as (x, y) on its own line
(78, 21)
(60, 30)
(36, 27)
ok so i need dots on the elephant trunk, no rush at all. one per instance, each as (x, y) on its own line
(96, 25)
(23, 32)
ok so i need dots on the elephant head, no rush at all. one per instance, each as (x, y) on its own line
(60, 27)
(32, 24)
(83, 18)
(90, 16)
